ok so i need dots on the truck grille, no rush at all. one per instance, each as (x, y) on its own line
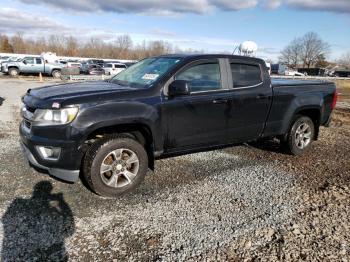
(27, 124)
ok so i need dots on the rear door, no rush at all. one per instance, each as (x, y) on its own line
(198, 120)
(250, 99)
(39, 65)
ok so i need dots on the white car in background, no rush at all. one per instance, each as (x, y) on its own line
(113, 68)
(73, 64)
(293, 73)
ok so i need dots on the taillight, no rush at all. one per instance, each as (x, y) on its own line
(335, 97)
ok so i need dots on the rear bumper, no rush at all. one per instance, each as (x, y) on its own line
(64, 174)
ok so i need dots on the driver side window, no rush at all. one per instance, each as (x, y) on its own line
(202, 77)
(29, 60)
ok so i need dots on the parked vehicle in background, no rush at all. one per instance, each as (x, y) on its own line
(9, 59)
(112, 131)
(4, 58)
(73, 64)
(95, 70)
(113, 68)
(313, 71)
(278, 69)
(85, 65)
(128, 64)
(342, 73)
(293, 73)
(268, 66)
(31, 65)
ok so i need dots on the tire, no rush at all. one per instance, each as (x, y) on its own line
(115, 177)
(14, 72)
(56, 73)
(300, 136)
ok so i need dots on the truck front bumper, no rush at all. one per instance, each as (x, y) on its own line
(66, 167)
(4, 69)
(64, 174)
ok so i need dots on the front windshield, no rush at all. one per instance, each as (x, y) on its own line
(145, 72)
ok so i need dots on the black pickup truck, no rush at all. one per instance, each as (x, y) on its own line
(110, 132)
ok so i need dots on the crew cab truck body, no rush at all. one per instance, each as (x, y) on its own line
(112, 131)
(32, 65)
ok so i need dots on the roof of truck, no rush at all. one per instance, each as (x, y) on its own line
(208, 56)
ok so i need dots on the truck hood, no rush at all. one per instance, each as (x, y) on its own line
(62, 91)
(76, 93)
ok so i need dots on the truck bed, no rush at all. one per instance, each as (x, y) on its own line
(298, 82)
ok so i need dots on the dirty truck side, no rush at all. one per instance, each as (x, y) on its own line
(110, 132)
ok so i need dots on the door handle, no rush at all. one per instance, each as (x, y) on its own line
(220, 101)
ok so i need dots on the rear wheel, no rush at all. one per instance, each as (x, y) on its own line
(13, 72)
(300, 136)
(115, 165)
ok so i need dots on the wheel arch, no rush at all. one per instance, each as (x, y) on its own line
(13, 67)
(55, 69)
(314, 114)
(138, 131)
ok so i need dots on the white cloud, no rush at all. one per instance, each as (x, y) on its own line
(13, 20)
(147, 6)
(169, 8)
(272, 4)
(338, 6)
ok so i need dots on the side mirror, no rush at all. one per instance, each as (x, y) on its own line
(24, 62)
(179, 88)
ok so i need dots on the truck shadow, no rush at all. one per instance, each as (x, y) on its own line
(1, 100)
(35, 228)
(270, 145)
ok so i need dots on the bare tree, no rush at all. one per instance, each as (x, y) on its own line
(5, 45)
(345, 60)
(18, 44)
(71, 46)
(314, 49)
(292, 53)
(308, 50)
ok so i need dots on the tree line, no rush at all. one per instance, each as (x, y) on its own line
(121, 48)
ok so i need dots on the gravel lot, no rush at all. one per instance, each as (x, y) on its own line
(250, 202)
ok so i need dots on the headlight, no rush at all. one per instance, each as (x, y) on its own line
(49, 117)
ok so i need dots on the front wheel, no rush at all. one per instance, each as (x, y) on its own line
(300, 137)
(13, 72)
(115, 165)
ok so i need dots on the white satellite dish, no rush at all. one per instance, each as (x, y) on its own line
(248, 48)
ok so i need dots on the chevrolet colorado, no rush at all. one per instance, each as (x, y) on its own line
(110, 132)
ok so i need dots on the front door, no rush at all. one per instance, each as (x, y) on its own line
(28, 65)
(198, 120)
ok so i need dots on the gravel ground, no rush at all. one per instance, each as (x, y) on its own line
(250, 202)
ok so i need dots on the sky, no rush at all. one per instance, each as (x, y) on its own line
(213, 26)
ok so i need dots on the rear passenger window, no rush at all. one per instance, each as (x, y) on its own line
(38, 61)
(245, 75)
(202, 77)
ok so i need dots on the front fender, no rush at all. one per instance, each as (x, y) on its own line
(109, 114)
